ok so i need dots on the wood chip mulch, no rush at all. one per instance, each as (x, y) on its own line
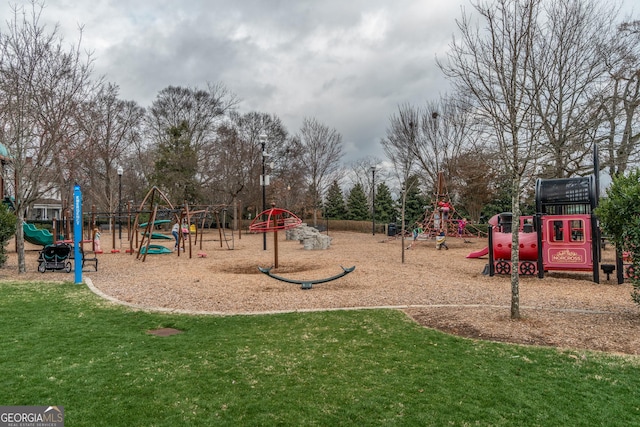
(440, 289)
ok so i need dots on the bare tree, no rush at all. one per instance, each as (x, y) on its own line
(321, 155)
(43, 80)
(237, 167)
(495, 70)
(567, 69)
(233, 174)
(440, 136)
(109, 128)
(620, 102)
(397, 145)
(140, 164)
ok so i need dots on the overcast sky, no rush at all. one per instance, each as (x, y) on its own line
(347, 63)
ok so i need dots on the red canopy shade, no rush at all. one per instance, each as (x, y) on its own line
(277, 219)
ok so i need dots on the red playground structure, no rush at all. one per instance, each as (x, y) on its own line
(562, 236)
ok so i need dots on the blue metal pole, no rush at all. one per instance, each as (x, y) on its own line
(264, 197)
(77, 232)
(373, 200)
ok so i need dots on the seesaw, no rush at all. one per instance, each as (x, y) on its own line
(307, 284)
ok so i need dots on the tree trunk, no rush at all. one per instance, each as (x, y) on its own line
(515, 254)
(404, 204)
(235, 214)
(22, 264)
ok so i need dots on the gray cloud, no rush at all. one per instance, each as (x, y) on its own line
(349, 64)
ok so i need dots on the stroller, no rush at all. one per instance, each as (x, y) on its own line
(55, 257)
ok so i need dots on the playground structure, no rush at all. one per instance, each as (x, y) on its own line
(43, 237)
(275, 219)
(37, 236)
(563, 235)
(441, 216)
(156, 211)
(154, 207)
(307, 284)
(272, 220)
(160, 211)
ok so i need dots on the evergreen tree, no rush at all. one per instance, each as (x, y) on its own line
(176, 167)
(357, 204)
(334, 204)
(415, 206)
(385, 208)
(415, 203)
(501, 202)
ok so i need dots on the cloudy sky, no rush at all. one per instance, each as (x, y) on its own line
(347, 63)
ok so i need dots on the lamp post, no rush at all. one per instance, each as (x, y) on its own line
(373, 200)
(263, 183)
(120, 172)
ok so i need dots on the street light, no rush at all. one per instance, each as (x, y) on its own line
(373, 200)
(263, 182)
(120, 172)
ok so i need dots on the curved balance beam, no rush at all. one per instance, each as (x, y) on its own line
(307, 284)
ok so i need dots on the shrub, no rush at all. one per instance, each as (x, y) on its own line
(8, 222)
(618, 215)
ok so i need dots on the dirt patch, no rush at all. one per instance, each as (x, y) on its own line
(609, 332)
(439, 289)
(251, 268)
(164, 332)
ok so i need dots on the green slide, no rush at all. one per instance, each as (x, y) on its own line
(37, 236)
(155, 249)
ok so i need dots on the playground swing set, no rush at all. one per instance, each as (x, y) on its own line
(192, 220)
(57, 251)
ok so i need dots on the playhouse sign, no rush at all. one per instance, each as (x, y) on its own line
(567, 256)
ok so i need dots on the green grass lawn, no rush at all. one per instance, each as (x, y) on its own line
(62, 345)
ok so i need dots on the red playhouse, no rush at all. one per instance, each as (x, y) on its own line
(562, 236)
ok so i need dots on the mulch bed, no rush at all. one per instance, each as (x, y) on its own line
(440, 289)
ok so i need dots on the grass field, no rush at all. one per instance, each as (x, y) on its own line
(62, 345)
